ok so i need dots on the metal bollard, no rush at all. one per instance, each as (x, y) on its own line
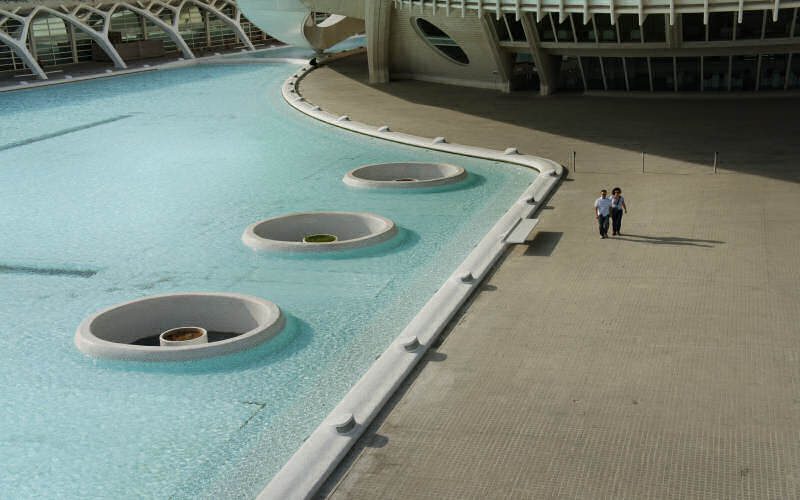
(642, 161)
(716, 156)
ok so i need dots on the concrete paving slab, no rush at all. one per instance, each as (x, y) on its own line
(663, 363)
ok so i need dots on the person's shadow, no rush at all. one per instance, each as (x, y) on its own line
(668, 240)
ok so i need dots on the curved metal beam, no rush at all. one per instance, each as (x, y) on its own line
(101, 40)
(227, 20)
(18, 45)
(169, 29)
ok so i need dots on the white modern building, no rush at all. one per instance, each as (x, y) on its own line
(561, 45)
(549, 45)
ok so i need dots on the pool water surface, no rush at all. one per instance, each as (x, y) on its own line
(125, 187)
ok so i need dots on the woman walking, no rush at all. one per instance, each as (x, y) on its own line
(617, 207)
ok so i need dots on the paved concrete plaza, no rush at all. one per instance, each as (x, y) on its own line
(664, 363)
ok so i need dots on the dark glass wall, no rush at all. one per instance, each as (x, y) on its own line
(743, 72)
(638, 74)
(654, 29)
(663, 75)
(583, 32)
(688, 71)
(615, 73)
(693, 28)
(750, 27)
(773, 71)
(569, 75)
(591, 70)
(715, 73)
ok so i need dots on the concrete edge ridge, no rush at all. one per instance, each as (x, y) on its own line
(310, 466)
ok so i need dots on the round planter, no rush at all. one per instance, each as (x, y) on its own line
(238, 322)
(405, 175)
(183, 335)
(290, 233)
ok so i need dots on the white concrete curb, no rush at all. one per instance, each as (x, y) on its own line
(319, 455)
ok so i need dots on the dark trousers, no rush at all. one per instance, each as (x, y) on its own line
(602, 220)
(616, 220)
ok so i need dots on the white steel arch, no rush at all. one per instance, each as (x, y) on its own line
(227, 20)
(170, 29)
(18, 44)
(79, 15)
(100, 38)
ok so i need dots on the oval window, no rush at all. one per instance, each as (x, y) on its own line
(441, 41)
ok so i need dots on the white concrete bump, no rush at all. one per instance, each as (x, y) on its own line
(511, 151)
(343, 118)
(410, 344)
(439, 140)
(466, 277)
(343, 423)
(384, 128)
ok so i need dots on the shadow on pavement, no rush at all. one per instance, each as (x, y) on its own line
(668, 240)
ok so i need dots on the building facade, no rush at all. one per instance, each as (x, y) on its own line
(567, 45)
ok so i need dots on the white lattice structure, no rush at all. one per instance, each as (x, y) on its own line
(590, 7)
(94, 19)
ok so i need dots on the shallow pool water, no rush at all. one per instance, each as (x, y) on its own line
(125, 187)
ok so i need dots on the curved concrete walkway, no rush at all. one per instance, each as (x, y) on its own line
(661, 364)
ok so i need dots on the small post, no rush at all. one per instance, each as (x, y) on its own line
(642, 161)
(716, 156)
(574, 168)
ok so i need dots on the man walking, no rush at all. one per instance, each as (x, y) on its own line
(602, 207)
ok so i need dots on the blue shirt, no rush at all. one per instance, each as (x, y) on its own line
(603, 205)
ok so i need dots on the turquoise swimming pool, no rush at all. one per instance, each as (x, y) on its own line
(126, 187)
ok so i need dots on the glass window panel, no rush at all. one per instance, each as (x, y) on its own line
(606, 32)
(545, 29)
(569, 75)
(584, 32)
(654, 28)
(638, 74)
(688, 69)
(663, 76)
(773, 71)
(693, 28)
(750, 27)
(715, 73)
(517, 31)
(591, 70)
(524, 76)
(629, 29)
(794, 72)
(797, 25)
(782, 27)
(563, 29)
(615, 74)
(720, 26)
(500, 27)
(743, 72)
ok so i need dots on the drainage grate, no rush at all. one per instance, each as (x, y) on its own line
(47, 271)
(25, 142)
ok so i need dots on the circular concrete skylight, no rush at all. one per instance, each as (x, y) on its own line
(407, 175)
(133, 331)
(318, 232)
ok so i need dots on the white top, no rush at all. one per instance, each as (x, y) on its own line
(603, 205)
(617, 204)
